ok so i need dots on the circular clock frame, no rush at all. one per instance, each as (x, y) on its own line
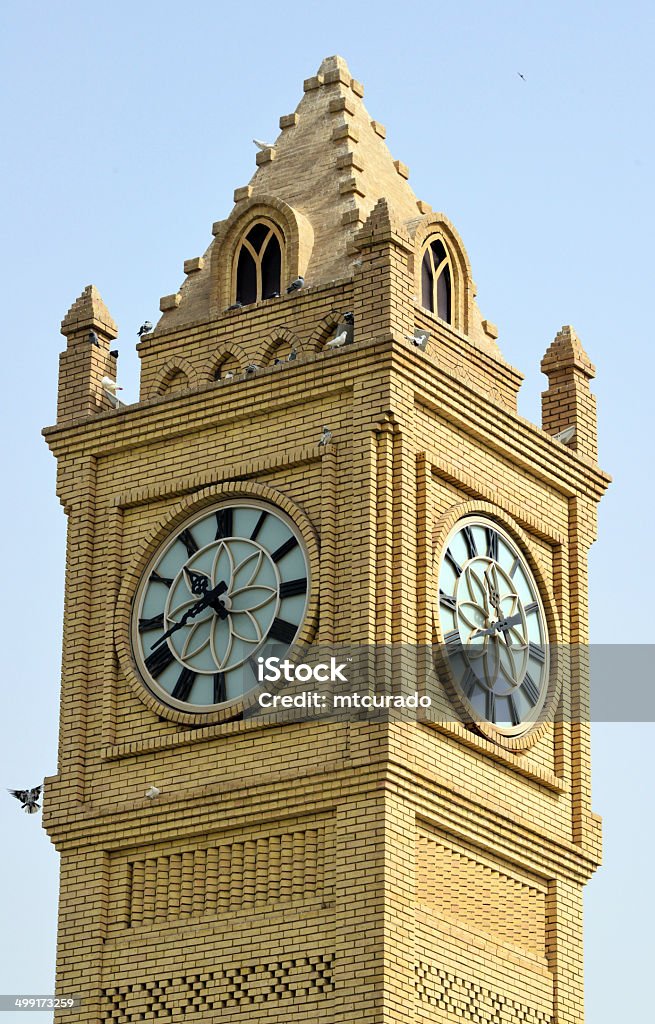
(135, 578)
(531, 728)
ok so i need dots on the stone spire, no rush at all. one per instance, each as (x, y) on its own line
(568, 402)
(89, 329)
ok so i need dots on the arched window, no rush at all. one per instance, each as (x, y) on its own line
(228, 365)
(258, 264)
(437, 281)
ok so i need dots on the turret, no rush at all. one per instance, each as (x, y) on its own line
(89, 329)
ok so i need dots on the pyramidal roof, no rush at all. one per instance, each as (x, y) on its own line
(89, 310)
(330, 163)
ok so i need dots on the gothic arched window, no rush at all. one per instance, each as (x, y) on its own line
(437, 281)
(258, 264)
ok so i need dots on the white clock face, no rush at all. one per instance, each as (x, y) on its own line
(493, 626)
(229, 586)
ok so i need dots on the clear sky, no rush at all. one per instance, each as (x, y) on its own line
(126, 128)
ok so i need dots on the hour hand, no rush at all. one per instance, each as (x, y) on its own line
(198, 581)
(208, 599)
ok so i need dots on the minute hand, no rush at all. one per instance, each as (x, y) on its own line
(208, 599)
(501, 625)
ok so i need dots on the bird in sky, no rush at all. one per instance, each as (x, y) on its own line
(261, 146)
(325, 438)
(418, 338)
(521, 76)
(296, 285)
(92, 337)
(28, 798)
(152, 792)
(145, 328)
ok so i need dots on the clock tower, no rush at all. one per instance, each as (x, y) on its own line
(326, 453)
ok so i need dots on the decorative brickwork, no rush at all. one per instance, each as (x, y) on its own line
(452, 997)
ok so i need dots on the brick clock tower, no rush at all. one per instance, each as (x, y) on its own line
(384, 871)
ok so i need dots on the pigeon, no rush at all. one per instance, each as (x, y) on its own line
(277, 362)
(145, 328)
(345, 333)
(326, 437)
(228, 376)
(114, 353)
(110, 387)
(93, 338)
(273, 295)
(261, 146)
(152, 792)
(521, 76)
(292, 355)
(28, 798)
(339, 340)
(296, 285)
(418, 338)
(235, 305)
(565, 436)
(252, 368)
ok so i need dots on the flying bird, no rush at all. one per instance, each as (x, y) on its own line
(325, 438)
(145, 328)
(521, 76)
(418, 338)
(152, 792)
(92, 337)
(110, 387)
(296, 285)
(261, 146)
(565, 436)
(28, 798)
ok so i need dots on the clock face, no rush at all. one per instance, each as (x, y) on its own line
(229, 586)
(493, 626)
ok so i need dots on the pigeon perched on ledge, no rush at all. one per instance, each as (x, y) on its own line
(28, 798)
(110, 387)
(325, 438)
(145, 328)
(296, 285)
(345, 332)
(261, 146)
(419, 339)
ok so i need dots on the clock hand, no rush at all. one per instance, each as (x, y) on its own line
(501, 626)
(208, 600)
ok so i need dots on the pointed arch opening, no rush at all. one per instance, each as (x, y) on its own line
(437, 280)
(257, 270)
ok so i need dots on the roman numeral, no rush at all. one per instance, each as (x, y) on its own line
(453, 642)
(258, 525)
(224, 521)
(186, 538)
(530, 689)
(452, 561)
(529, 608)
(284, 549)
(156, 578)
(513, 710)
(291, 588)
(469, 539)
(537, 651)
(514, 567)
(469, 683)
(156, 622)
(220, 693)
(490, 706)
(492, 543)
(447, 601)
(283, 631)
(159, 660)
(184, 684)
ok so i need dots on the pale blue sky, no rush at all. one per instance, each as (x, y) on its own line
(125, 129)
